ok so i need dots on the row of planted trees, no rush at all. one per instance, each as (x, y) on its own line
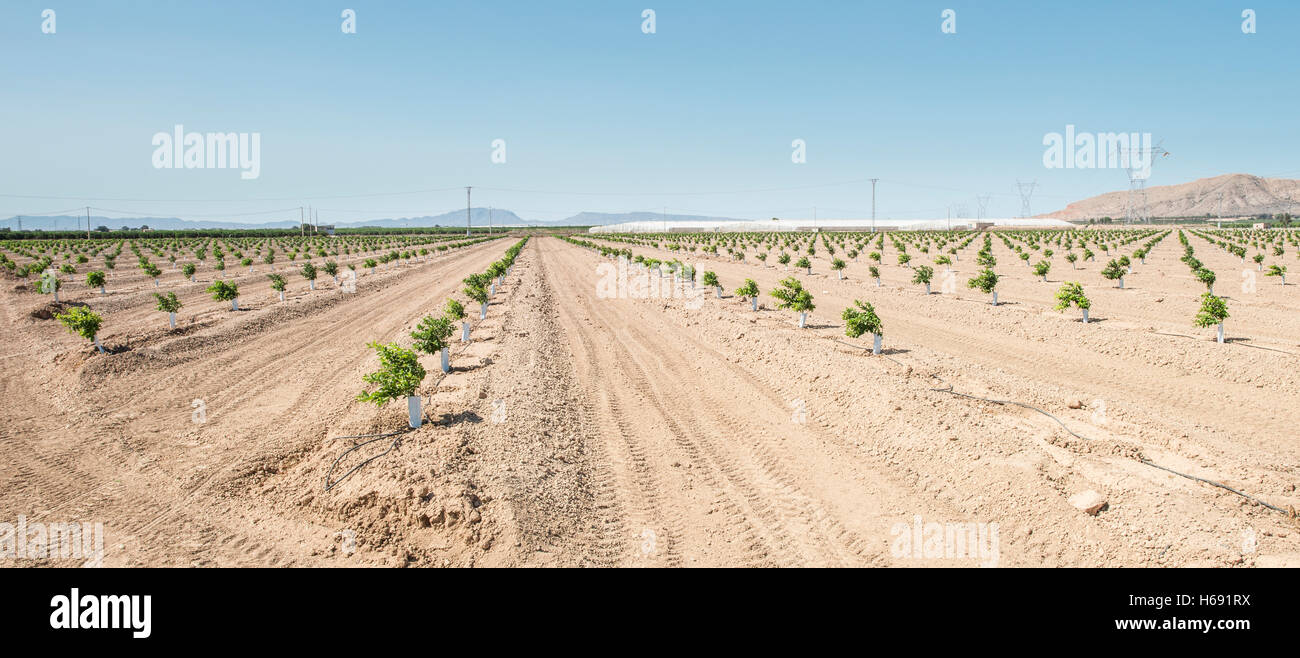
(1213, 309)
(44, 264)
(86, 323)
(790, 295)
(793, 296)
(400, 373)
(862, 318)
(77, 252)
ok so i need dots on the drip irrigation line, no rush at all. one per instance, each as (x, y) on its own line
(396, 442)
(1220, 485)
(1232, 342)
(1147, 462)
(379, 437)
(949, 391)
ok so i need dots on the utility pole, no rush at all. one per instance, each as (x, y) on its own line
(873, 204)
(302, 229)
(467, 189)
(87, 222)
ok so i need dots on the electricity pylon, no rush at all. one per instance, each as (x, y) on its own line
(1137, 163)
(1026, 191)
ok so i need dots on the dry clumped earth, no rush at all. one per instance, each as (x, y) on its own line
(578, 430)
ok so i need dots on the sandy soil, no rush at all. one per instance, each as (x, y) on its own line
(581, 430)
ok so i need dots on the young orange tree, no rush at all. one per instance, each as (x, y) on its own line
(309, 273)
(987, 282)
(923, 275)
(399, 375)
(792, 295)
(169, 305)
(96, 280)
(711, 279)
(1071, 294)
(456, 311)
(278, 284)
(431, 337)
(861, 319)
(750, 290)
(84, 322)
(476, 289)
(1213, 312)
(1114, 271)
(225, 292)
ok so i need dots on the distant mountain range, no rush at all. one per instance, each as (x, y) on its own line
(478, 217)
(1230, 195)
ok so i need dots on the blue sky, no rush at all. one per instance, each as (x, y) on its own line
(697, 118)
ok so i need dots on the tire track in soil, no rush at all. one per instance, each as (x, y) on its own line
(967, 361)
(571, 505)
(636, 484)
(380, 307)
(753, 458)
(138, 504)
(1123, 378)
(816, 431)
(758, 497)
(613, 536)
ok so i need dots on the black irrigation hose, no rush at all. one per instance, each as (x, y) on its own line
(1221, 486)
(949, 391)
(1232, 342)
(396, 442)
(1147, 462)
(379, 437)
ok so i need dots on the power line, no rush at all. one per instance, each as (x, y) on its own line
(224, 214)
(46, 214)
